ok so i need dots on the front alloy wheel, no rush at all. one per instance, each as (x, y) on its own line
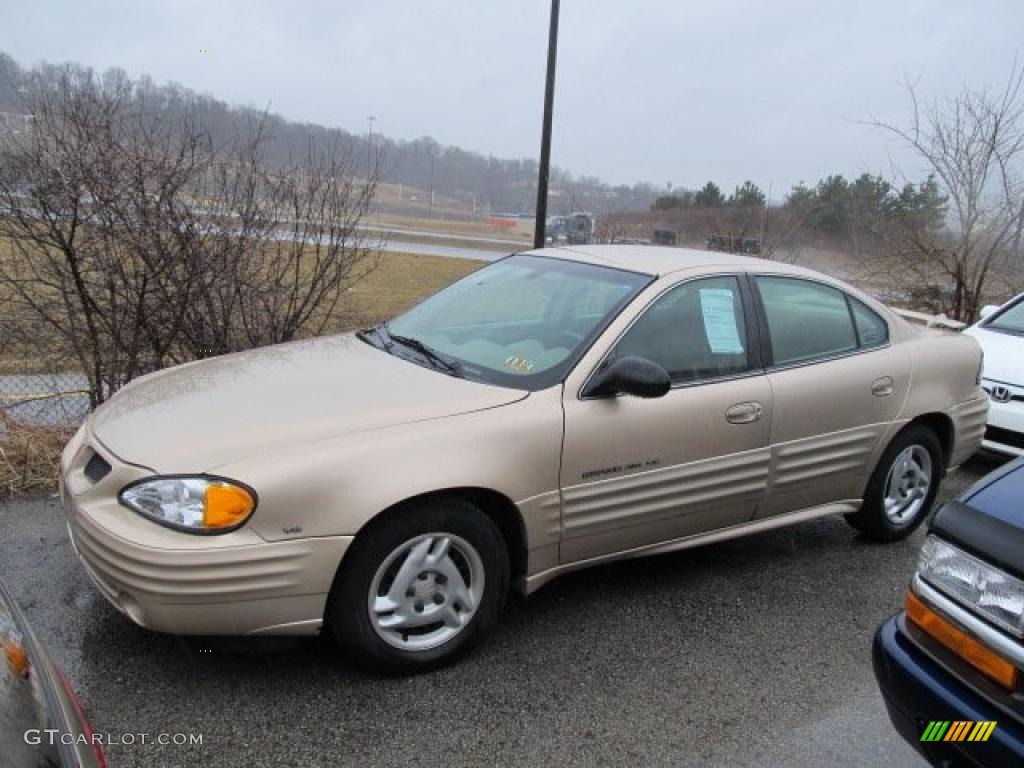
(426, 591)
(420, 585)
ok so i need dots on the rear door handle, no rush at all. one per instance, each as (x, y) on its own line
(744, 413)
(882, 387)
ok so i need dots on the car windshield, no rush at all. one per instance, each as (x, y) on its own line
(520, 322)
(1011, 319)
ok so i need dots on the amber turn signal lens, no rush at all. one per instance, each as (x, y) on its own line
(967, 648)
(225, 506)
(16, 657)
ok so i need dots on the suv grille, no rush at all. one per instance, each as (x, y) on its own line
(96, 468)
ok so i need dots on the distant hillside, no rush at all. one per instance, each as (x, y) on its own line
(468, 181)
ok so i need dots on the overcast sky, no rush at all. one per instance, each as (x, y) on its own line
(649, 90)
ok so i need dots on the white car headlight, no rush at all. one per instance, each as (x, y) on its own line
(989, 592)
(197, 504)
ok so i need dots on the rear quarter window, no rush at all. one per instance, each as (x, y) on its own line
(871, 328)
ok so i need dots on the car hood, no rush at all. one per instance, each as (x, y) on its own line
(198, 416)
(1004, 354)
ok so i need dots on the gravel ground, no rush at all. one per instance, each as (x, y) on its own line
(750, 652)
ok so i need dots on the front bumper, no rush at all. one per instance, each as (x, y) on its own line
(918, 690)
(1005, 433)
(231, 584)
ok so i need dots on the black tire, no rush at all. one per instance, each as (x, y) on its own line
(871, 519)
(348, 616)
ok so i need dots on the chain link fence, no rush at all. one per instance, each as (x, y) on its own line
(44, 400)
(39, 410)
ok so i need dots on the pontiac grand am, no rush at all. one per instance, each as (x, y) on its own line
(550, 411)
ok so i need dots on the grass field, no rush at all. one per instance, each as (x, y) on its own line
(400, 280)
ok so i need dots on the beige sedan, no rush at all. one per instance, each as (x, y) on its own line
(552, 410)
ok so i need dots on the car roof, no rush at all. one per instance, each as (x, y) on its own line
(661, 260)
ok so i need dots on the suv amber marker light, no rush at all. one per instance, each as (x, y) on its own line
(967, 648)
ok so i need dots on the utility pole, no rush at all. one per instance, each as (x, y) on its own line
(369, 150)
(545, 137)
(430, 211)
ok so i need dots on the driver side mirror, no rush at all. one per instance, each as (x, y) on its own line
(987, 311)
(629, 376)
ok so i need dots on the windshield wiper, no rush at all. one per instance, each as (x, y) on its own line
(365, 333)
(434, 357)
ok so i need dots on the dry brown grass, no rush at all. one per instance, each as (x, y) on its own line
(29, 456)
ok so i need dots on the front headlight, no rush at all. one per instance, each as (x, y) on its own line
(988, 591)
(197, 504)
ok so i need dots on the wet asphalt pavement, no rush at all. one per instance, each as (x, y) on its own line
(749, 652)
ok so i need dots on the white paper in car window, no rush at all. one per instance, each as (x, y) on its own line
(720, 321)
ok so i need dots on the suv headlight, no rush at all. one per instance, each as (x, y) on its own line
(197, 504)
(989, 592)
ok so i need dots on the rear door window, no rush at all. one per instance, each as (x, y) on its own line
(807, 321)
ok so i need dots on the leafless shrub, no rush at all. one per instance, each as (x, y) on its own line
(139, 241)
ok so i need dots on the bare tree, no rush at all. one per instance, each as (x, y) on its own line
(139, 241)
(294, 247)
(86, 217)
(973, 143)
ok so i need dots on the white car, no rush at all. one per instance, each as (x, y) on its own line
(1001, 335)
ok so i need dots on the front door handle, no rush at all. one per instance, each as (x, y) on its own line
(882, 387)
(744, 413)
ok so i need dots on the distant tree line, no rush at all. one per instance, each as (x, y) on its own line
(841, 208)
(834, 207)
(485, 183)
(747, 194)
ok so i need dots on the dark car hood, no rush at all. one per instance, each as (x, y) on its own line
(988, 518)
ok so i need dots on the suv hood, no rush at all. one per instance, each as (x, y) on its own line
(1004, 355)
(988, 518)
(197, 416)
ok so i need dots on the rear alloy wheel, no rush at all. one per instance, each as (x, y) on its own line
(902, 488)
(419, 587)
(907, 485)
